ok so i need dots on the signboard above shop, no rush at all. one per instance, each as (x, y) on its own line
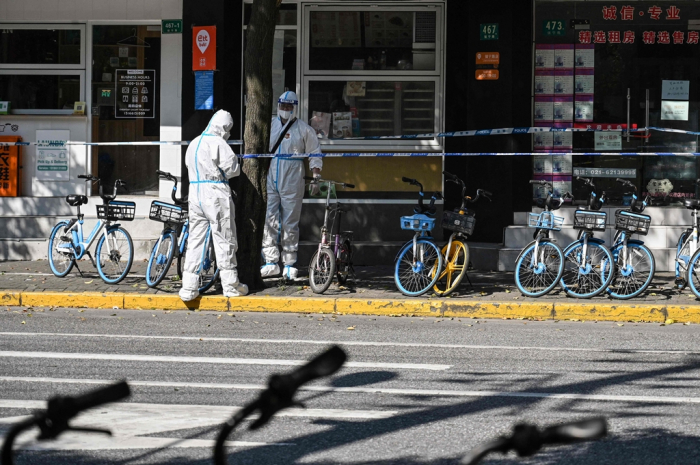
(203, 48)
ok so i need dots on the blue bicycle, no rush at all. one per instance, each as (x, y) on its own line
(115, 249)
(173, 240)
(419, 262)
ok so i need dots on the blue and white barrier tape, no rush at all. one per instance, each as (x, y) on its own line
(677, 131)
(302, 156)
(480, 132)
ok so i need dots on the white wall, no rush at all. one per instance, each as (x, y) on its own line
(114, 11)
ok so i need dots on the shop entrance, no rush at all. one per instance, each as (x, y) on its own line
(126, 105)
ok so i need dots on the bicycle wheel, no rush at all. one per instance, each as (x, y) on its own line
(586, 277)
(209, 271)
(114, 259)
(416, 274)
(455, 268)
(536, 276)
(633, 278)
(344, 263)
(683, 255)
(161, 258)
(693, 276)
(60, 239)
(321, 270)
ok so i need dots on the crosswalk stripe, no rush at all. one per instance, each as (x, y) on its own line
(361, 343)
(375, 390)
(212, 360)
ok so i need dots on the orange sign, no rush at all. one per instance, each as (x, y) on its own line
(9, 167)
(486, 74)
(203, 48)
(488, 58)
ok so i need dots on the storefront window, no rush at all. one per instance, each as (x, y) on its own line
(591, 60)
(22, 45)
(126, 105)
(32, 93)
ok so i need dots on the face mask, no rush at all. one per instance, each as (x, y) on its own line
(284, 114)
(226, 135)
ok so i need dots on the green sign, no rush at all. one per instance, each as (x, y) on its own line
(171, 26)
(488, 31)
(553, 27)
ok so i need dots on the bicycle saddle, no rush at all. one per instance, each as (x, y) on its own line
(76, 200)
(692, 204)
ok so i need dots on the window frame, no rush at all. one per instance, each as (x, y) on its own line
(46, 72)
(46, 26)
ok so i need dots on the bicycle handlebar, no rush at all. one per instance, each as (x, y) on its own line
(527, 439)
(337, 183)
(60, 410)
(170, 177)
(280, 395)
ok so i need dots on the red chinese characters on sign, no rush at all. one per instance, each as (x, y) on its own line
(599, 37)
(204, 48)
(649, 37)
(654, 12)
(614, 37)
(663, 37)
(628, 37)
(627, 13)
(584, 37)
(693, 37)
(678, 37)
(609, 12)
(673, 13)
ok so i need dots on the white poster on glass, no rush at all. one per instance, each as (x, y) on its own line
(674, 111)
(52, 155)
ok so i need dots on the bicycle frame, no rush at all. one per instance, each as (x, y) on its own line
(325, 242)
(80, 245)
(693, 240)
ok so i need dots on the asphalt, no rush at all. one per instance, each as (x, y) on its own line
(483, 295)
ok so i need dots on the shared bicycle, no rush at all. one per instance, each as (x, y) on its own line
(173, 241)
(335, 258)
(115, 248)
(455, 253)
(687, 244)
(419, 262)
(540, 265)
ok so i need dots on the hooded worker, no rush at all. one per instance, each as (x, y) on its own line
(285, 186)
(210, 164)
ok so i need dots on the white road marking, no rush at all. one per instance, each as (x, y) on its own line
(361, 343)
(212, 360)
(361, 390)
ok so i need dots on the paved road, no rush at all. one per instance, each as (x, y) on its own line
(414, 391)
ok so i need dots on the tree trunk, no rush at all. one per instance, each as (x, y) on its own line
(252, 188)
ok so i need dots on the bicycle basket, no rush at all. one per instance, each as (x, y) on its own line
(461, 223)
(589, 220)
(113, 211)
(546, 220)
(632, 222)
(417, 222)
(167, 213)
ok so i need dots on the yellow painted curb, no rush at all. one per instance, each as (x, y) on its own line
(78, 300)
(173, 302)
(10, 298)
(282, 304)
(476, 309)
(627, 312)
(388, 307)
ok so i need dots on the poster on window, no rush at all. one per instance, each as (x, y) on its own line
(544, 109)
(563, 82)
(52, 155)
(544, 56)
(607, 140)
(541, 164)
(583, 83)
(542, 141)
(563, 109)
(564, 56)
(562, 164)
(585, 56)
(674, 111)
(561, 185)
(136, 93)
(544, 82)
(342, 124)
(583, 109)
(321, 122)
(562, 140)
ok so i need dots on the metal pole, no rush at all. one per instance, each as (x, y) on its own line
(646, 121)
(628, 114)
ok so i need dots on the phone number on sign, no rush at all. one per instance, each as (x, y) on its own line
(606, 172)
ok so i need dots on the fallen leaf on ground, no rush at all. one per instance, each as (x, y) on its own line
(24, 323)
(670, 321)
(620, 324)
(89, 282)
(350, 328)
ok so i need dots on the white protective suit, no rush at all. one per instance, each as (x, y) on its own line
(285, 190)
(210, 164)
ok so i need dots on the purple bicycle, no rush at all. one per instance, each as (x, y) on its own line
(331, 257)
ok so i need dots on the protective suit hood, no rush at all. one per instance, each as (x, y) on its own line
(219, 125)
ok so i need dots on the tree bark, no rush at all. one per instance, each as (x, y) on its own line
(252, 188)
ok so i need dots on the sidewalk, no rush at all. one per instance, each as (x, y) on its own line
(493, 295)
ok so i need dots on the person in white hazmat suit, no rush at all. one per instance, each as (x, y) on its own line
(210, 164)
(285, 187)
